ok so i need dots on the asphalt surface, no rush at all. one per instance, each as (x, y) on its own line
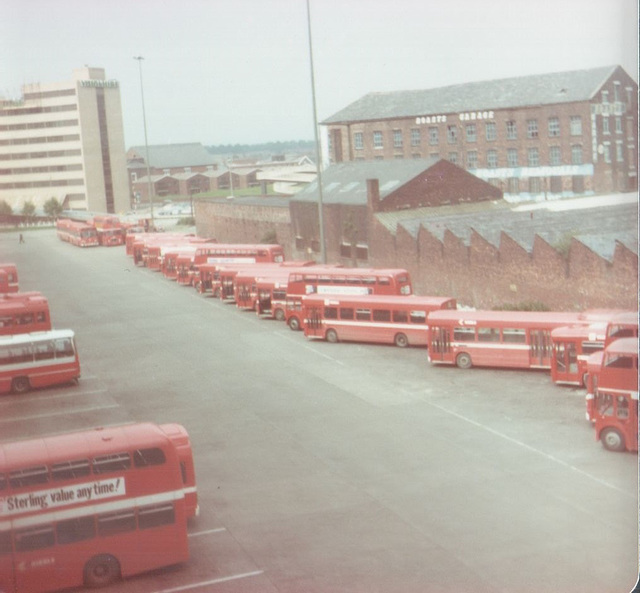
(342, 468)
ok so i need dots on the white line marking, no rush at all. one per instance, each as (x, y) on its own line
(66, 412)
(47, 396)
(306, 345)
(530, 448)
(207, 532)
(212, 582)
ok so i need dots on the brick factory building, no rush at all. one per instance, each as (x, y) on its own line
(542, 136)
(65, 140)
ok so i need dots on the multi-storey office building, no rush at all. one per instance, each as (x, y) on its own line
(563, 133)
(65, 140)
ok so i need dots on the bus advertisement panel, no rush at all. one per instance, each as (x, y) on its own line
(40, 359)
(513, 339)
(223, 253)
(379, 319)
(342, 281)
(612, 395)
(22, 313)
(78, 508)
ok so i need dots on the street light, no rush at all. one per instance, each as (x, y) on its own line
(146, 142)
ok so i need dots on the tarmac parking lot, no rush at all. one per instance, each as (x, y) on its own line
(342, 468)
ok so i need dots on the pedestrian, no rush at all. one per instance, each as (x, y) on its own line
(21, 238)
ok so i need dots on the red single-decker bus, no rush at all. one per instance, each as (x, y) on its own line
(22, 313)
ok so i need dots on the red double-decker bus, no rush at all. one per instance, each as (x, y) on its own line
(342, 281)
(8, 278)
(38, 359)
(22, 313)
(515, 339)
(90, 507)
(80, 234)
(378, 319)
(612, 394)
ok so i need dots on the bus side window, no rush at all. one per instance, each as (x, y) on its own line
(488, 334)
(156, 516)
(6, 321)
(363, 314)
(44, 350)
(145, 457)
(381, 315)
(25, 319)
(400, 317)
(464, 334)
(34, 538)
(111, 523)
(67, 470)
(15, 354)
(3, 482)
(418, 317)
(331, 313)
(75, 530)
(346, 313)
(514, 336)
(111, 463)
(5, 543)
(620, 362)
(29, 476)
(64, 347)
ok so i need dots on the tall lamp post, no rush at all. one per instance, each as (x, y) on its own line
(146, 142)
(323, 254)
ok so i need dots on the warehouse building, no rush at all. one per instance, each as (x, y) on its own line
(65, 140)
(533, 137)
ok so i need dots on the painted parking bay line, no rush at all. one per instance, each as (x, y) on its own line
(220, 580)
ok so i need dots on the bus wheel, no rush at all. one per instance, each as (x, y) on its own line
(401, 341)
(463, 361)
(20, 385)
(101, 570)
(612, 439)
(294, 324)
(331, 336)
(279, 314)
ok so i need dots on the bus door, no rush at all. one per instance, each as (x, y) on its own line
(313, 321)
(565, 362)
(440, 343)
(6, 563)
(540, 348)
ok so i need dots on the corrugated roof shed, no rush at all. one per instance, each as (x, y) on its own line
(522, 91)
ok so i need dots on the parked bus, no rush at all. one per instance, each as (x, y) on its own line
(612, 395)
(380, 319)
(170, 259)
(228, 253)
(572, 346)
(90, 507)
(8, 278)
(22, 313)
(515, 339)
(80, 234)
(622, 325)
(38, 359)
(342, 281)
(110, 237)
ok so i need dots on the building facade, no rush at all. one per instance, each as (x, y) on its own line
(553, 135)
(65, 140)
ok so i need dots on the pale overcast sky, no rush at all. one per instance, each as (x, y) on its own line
(237, 71)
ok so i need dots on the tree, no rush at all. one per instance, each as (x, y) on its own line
(52, 208)
(5, 208)
(29, 211)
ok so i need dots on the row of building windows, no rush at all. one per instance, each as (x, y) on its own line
(35, 110)
(471, 132)
(50, 183)
(65, 123)
(50, 94)
(49, 169)
(22, 156)
(40, 140)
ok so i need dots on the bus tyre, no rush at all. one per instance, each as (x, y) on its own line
(463, 361)
(101, 570)
(612, 439)
(20, 385)
(331, 336)
(294, 324)
(279, 314)
(401, 341)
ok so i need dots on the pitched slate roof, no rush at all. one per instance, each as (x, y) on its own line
(521, 91)
(165, 156)
(346, 183)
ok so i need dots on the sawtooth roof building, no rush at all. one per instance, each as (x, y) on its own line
(542, 136)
